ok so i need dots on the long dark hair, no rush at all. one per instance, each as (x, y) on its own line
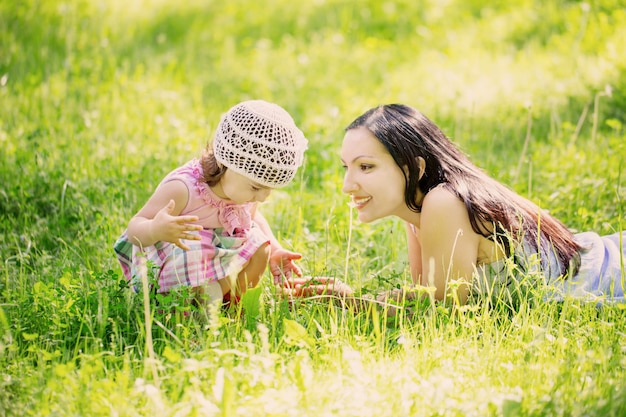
(407, 134)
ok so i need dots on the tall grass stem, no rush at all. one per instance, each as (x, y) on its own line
(522, 156)
(148, 325)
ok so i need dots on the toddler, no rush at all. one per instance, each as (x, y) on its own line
(201, 228)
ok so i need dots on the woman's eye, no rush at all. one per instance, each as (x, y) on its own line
(255, 188)
(366, 167)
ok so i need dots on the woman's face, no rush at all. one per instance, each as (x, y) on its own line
(373, 180)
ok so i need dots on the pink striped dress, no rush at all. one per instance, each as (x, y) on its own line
(228, 241)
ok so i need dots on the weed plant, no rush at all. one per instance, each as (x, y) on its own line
(100, 99)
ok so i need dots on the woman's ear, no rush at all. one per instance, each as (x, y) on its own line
(421, 166)
(421, 163)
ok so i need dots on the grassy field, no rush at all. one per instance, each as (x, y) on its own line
(100, 99)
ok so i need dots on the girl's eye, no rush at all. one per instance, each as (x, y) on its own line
(366, 167)
(255, 188)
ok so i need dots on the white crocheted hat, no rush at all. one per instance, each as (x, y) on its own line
(261, 141)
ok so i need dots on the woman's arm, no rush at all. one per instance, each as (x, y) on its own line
(414, 251)
(448, 242)
(159, 220)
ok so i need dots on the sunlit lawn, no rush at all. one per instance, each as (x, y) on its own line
(101, 99)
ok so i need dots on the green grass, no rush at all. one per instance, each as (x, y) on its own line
(100, 99)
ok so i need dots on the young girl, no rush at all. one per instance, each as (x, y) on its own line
(463, 227)
(201, 228)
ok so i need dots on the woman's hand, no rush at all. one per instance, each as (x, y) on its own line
(310, 286)
(167, 228)
(400, 298)
(397, 295)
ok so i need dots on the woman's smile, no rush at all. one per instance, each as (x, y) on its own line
(359, 202)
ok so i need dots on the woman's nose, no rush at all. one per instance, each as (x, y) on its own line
(349, 186)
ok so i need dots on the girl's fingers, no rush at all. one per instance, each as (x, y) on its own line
(190, 236)
(295, 268)
(294, 256)
(188, 219)
(181, 245)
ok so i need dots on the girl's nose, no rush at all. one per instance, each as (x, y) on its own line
(263, 194)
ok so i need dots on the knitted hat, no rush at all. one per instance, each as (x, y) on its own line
(261, 141)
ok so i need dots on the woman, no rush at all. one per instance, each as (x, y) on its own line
(466, 233)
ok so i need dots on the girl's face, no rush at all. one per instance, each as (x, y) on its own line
(235, 187)
(373, 180)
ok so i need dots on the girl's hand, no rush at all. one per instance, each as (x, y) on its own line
(167, 228)
(281, 263)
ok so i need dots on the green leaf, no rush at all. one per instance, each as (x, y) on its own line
(296, 335)
(251, 301)
(30, 336)
(171, 355)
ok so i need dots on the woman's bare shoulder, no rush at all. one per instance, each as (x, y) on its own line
(441, 198)
(442, 207)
